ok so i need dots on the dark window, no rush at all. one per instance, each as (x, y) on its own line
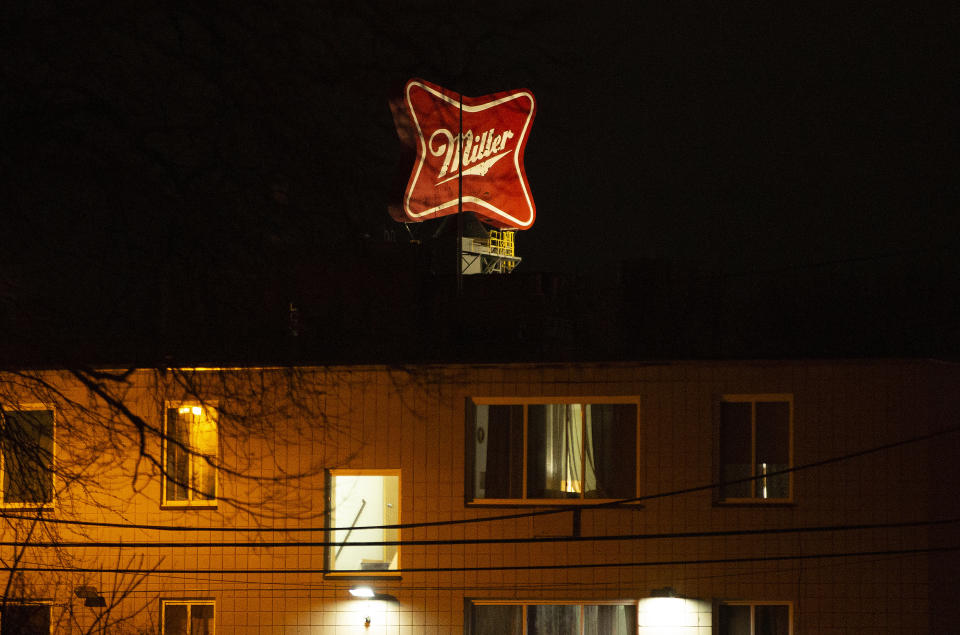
(609, 619)
(561, 619)
(501, 474)
(27, 441)
(754, 619)
(755, 443)
(25, 619)
(554, 451)
(553, 619)
(187, 618)
(497, 619)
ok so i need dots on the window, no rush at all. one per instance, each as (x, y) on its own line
(553, 619)
(26, 439)
(190, 455)
(563, 450)
(25, 619)
(755, 440)
(362, 499)
(755, 619)
(186, 617)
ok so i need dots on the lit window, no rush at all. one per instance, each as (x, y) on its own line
(26, 438)
(360, 499)
(564, 451)
(553, 619)
(755, 441)
(186, 617)
(755, 619)
(190, 455)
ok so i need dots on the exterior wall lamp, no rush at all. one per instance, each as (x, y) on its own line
(665, 592)
(90, 595)
(365, 593)
(368, 593)
(362, 592)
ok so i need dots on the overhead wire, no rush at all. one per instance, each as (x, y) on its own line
(720, 533)
(533, 567)
(326, 584)
(210, 578)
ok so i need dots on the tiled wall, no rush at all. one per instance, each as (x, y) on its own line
(413, 420)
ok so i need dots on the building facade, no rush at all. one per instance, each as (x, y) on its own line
(688, 498)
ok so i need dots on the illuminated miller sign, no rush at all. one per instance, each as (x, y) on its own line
(487, 157)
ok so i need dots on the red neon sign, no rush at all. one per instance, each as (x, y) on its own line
(487, 157)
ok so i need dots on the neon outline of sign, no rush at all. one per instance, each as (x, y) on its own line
(470, 199)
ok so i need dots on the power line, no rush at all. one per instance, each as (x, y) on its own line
(214, 577)
(542, 567)
(514, 516)
(480, 541)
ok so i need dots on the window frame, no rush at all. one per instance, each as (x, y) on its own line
(51, 504)
(189, 602)
(27, 602)
(209, 408)
(753, 399)
(753, 605)
(329, 558)
(525, 604)
(525, 402)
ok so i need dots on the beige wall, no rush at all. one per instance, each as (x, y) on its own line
(413, 420)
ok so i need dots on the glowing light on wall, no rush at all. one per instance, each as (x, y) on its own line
(676, 616)
(361, 592)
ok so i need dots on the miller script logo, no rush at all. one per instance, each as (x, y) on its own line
(484, 157)
(485, 146)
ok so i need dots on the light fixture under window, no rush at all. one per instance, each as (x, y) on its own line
(90, 595)
(362, 592)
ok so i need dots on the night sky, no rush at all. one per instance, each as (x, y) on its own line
(176, 140)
